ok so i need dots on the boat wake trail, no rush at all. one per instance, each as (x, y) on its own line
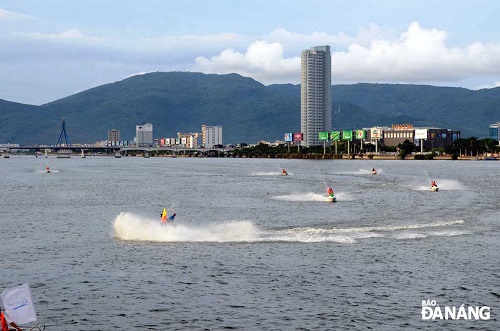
(353, 234)
(128, 226)
(361, 172)
(311, 196)
(269, 173)
(443, 184)
(132, 227)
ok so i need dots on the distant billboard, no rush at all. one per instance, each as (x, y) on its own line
(323, 135)
(347, 135)
(375, 133)
(360, 134)
(288, 137)
(297, 136)
(335, 135)
(402, 126)
(421, 134)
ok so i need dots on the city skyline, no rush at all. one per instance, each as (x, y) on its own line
(53, 50)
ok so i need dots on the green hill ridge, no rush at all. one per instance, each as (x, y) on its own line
(248, 110)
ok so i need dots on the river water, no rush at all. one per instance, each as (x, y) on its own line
(250, 249)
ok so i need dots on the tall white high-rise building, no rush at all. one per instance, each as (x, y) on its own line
(144, 134)
(211, 135)
(315, 94)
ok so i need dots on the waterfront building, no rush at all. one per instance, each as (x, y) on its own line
(436, 137)
(430, 137)
(144, 134)
(189, 140)
(211, 135)
(165, 142)
(113, 135)
(495, 131)
(315, 94)
(397, 134)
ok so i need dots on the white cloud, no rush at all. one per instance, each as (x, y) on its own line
(164, 50)
(68, 35)
(418, 55)
(364, 36)
(9, 16)
(142, 73)
(488, 86)
(263, 61)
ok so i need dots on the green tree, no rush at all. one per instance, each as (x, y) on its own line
(405, 149)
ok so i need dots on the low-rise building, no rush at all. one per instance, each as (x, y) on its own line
(436, 137)
(431, 137)
(189, 140)
(397, 134)
(113, 135)
(495, 131)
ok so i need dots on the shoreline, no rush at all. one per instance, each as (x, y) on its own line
(277, 156)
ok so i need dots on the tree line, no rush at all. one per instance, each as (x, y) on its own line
(461, 147)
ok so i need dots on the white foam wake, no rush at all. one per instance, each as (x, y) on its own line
(131, 227)
(311, 196)
(270, 173)
(360, 172)
(443, 184)
(128, 226)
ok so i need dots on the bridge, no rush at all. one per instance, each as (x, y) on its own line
(64, 146)
(122, 150)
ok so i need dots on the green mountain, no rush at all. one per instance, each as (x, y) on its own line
(248, 111)
(178, 102)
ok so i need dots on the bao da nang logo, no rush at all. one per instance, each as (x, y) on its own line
(432, 311)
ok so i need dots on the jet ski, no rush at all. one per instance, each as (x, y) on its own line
(331, 198)
(434, 188)
(374, 172)
(47, 169)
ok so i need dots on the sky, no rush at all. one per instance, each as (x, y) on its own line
(51, 49)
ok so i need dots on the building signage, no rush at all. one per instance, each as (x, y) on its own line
(297, 136)
(375, 133)
(323, 135)
(402, 126)
(335, 135)
(421, 134)
(360, 134)
(288, 137)
(347, 135)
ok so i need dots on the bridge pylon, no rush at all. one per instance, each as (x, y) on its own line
(63, 136)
